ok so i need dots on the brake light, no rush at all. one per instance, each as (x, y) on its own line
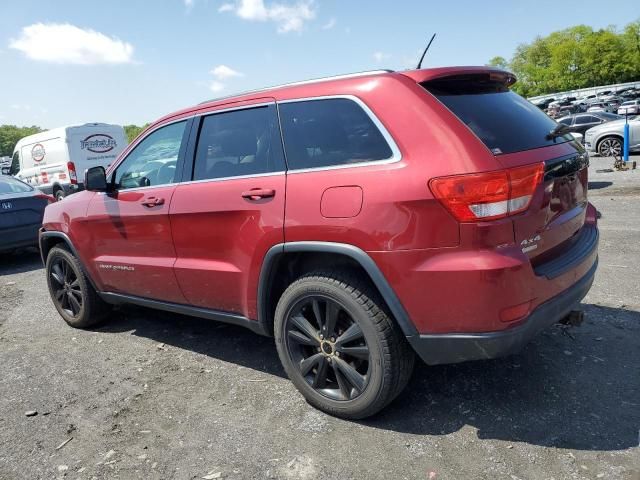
(72, 173)
(46, 197)
(488, 196)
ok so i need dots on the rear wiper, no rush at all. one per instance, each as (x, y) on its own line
(558, 131)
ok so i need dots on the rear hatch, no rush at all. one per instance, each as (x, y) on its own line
(518, 133)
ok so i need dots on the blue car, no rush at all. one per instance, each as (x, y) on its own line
(21, 211)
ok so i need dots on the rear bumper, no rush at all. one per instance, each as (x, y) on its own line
(460, 347)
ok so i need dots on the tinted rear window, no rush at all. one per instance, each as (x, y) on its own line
(330, 132)
(11, 185)
(503, 120)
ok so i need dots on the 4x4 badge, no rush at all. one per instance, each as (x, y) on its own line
(529, 244)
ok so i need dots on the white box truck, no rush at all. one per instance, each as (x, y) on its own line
(55, 161)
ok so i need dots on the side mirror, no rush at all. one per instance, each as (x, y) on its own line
(95, 179)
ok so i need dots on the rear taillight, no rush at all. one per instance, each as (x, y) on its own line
(72, 173)
(46, 197)
(488, 196)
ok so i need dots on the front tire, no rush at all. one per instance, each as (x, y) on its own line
(610, 147)
(71, 292)
(339, 347)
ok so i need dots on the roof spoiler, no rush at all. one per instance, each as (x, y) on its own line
(427, 75)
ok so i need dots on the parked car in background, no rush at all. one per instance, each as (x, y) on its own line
(630, 94)
(5, 165)
(631, 107)
(606, 139)
(308, 212)
(581, 122)
(54, 161)
(600, 107)
(21, 211)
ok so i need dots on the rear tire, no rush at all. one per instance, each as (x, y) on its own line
(340, 349)
(59, 194)
(71, 292)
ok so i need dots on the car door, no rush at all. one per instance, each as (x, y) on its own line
(585, 122)
(133, 250)
(230, 209)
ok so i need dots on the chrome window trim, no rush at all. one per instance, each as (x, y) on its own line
(396, 154)
(222, 179)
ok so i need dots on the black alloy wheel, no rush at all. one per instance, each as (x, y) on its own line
(328, 347)
(67, 292)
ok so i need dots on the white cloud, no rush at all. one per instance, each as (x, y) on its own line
(216, 86)
(65, 43)
(222, 72)
(330, 24)
(381, 56)
(188, 3)
(289, 18)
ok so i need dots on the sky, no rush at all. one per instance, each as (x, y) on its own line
(117, 61)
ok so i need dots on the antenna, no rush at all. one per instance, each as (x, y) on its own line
(425, 52)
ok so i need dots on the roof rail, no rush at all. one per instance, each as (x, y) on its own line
(303, 82)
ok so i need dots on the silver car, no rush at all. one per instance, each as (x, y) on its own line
(630, 107)
(606, 139)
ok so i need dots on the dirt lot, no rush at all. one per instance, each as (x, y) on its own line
(153, 395)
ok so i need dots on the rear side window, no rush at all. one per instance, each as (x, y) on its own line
(11, 185)
(238, 143)
(586, 119)
(330, 132)
(503, 120)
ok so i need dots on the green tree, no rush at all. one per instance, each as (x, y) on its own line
(10, 134)
(499, 62)
(133, 131)
(576, 57)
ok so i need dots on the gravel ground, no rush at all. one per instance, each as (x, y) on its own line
(159, 396)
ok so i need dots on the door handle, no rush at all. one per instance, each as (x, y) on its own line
(258, 193)
(153, 201)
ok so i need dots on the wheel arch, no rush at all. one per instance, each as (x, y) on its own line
(48, 239)
(608, 135)
(285, 262)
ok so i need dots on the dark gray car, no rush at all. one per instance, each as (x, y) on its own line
(581, 122)
(21, 211)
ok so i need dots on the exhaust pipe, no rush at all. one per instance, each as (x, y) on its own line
(573, 319)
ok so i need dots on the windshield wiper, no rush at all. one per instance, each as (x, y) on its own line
(558, 131)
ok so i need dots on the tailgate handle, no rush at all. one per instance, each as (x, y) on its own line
(153, 201)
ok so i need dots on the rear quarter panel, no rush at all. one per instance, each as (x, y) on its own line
(398, 210)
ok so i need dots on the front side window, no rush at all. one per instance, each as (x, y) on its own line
(238, 143)
(329, 132)
(15, 163)
(153, 161)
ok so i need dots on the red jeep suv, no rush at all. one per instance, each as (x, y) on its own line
(359, 219)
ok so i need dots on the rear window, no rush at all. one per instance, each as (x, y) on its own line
(503, 120)
(11, 185)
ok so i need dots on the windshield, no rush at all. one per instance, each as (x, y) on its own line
(503, 120)
(11, 185)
